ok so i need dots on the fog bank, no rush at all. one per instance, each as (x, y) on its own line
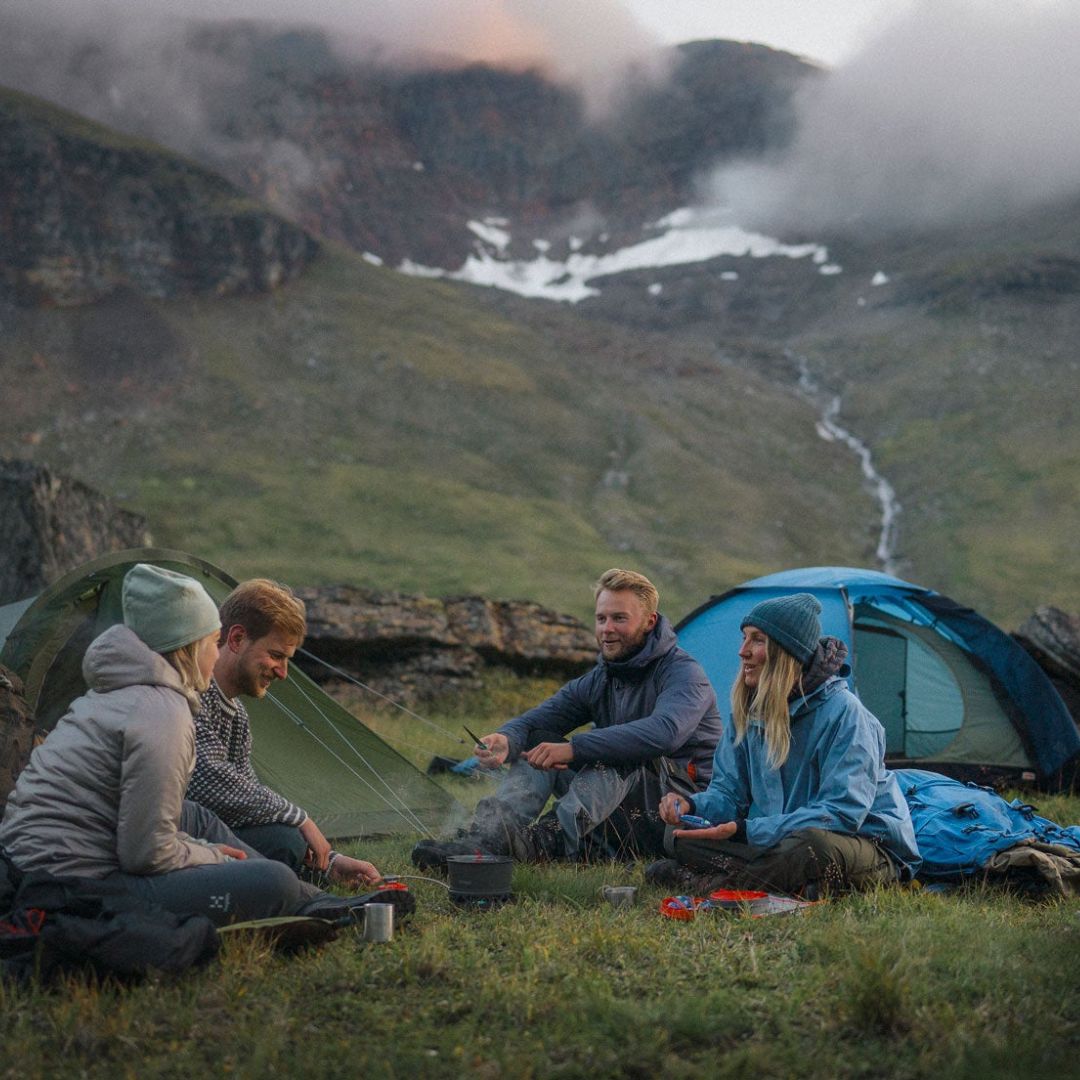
(961, 110)
(592, 46)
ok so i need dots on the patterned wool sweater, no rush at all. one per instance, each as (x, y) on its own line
(224, 780)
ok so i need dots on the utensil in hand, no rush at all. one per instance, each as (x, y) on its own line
(692, 821)
(475, 738)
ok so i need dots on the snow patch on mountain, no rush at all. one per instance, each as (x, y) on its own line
(490, 231)
(685, 236)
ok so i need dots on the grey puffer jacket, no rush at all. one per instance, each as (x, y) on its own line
(658, 703)
(103, 792)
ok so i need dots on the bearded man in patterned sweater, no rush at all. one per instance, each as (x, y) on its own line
(262, 625)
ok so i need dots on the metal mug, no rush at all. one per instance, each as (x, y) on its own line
(378, 922)
(619, 896)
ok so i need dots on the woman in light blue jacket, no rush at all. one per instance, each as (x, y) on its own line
(800, 801)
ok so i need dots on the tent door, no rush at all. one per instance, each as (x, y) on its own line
(884, 653)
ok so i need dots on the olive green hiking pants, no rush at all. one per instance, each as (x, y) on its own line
(809, 863)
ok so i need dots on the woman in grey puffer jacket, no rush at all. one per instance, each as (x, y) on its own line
(101, 797)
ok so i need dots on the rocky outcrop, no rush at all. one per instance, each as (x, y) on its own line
(86, 211)
(50, 524)
(415, 647)
(963, 284)
(18, 733)
(1052, 637)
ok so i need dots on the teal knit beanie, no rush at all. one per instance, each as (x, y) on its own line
(793, 622)
(165, 609)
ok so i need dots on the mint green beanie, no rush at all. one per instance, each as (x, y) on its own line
(166, 609)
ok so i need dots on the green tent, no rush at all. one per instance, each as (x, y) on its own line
(306, 746)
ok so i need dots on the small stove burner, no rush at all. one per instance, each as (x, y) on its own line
(481, 903)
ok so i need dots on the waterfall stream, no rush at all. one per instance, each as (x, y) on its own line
(829, 428)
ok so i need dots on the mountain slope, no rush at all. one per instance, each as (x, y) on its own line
(951, 351)
(86, 210)
(357, 425)
(362, 427)
(953, 356)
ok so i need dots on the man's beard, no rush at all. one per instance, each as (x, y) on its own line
(250, 684)
(628, 649)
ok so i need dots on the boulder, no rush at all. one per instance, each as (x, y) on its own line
(1052, 637)
(18, 732)
(416, 647)
(50, 524)
(521, 634)
(346, 620)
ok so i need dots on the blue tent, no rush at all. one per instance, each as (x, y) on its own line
(954, 693)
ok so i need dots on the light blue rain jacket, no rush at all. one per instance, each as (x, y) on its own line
(834, 778)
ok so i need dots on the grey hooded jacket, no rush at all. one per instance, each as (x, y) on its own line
(103, 792)
(659, 703)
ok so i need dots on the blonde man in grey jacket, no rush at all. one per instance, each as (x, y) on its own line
(101, 797)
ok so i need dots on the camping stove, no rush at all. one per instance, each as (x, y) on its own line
(480, 880)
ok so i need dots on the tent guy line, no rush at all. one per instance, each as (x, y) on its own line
(371, 690)
(360, 756)
(402, 808)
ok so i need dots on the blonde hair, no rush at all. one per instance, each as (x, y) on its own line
(616, 580)
(186, 662)
(262, 606)
(768, 701)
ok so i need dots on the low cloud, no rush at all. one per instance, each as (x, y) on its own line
(961, 110)
(592, 46)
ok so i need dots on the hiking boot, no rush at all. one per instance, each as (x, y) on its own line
(543, 841)
(663, 872)
(350, 908)
(432, 854)
(673, 874)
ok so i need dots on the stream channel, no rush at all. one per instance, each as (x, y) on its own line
(829, 428)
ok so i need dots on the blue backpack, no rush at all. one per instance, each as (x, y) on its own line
(959, 826)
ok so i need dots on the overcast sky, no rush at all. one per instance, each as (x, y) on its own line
(825, 30)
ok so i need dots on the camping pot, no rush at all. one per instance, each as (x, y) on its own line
(480, 880)
(378, 922)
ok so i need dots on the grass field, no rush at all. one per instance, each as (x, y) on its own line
(897, 983)
(905, 984)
